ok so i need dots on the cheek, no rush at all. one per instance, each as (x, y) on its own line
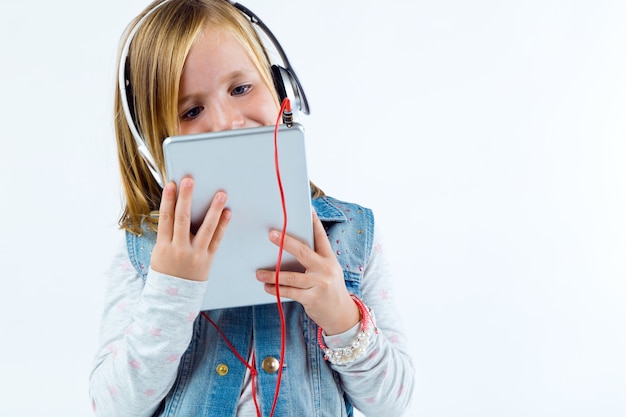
(265, 108)
(188, 129)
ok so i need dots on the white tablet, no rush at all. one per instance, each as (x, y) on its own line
(241, 163)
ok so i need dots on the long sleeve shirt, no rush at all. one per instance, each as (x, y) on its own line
(146, 328)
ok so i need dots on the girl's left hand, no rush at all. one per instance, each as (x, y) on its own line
(320, 289)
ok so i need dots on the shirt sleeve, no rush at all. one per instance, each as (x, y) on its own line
(381, 381)
(145, 330)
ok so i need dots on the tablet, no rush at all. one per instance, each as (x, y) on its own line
(241, 163)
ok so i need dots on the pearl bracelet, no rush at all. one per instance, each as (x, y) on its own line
(358, 346)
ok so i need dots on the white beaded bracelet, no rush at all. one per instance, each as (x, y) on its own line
(358, 346)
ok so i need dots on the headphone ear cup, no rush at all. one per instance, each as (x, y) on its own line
(287, 85)
(279, 82)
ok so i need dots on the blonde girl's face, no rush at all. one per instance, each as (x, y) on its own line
(221, 89)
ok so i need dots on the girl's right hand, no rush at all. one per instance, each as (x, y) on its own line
(177, 251)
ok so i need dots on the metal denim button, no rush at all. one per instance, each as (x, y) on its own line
(221, 369)
(270, 365)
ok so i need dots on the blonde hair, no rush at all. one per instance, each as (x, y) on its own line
(156, 58)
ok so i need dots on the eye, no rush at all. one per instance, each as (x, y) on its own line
(241, 89)
(192, 113)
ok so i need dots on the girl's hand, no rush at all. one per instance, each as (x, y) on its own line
(321, 288)
(177, 251)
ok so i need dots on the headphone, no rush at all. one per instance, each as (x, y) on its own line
(284, 77)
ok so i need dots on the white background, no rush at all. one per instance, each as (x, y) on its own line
(487, 135)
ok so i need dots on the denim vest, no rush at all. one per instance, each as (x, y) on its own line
(205, 387)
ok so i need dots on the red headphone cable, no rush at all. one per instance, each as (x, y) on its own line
(286, 114)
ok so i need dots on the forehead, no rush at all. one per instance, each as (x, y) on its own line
(218, 49)
(215, 61)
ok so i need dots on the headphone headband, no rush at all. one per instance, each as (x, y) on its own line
(287, 73)
(302, 102)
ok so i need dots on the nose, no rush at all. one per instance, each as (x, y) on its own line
(223, 116)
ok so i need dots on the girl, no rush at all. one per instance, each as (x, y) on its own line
(195, 66)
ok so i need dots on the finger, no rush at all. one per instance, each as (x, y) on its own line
(213, 219)
(301, 251)
(285, 279)
(219, 233)
(321, 242)
(182, 211)
(166, 212)
(286, 292)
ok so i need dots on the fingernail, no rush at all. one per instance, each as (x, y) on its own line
(186, 182)
(274, 235)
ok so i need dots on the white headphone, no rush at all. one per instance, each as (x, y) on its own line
(285, 81)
